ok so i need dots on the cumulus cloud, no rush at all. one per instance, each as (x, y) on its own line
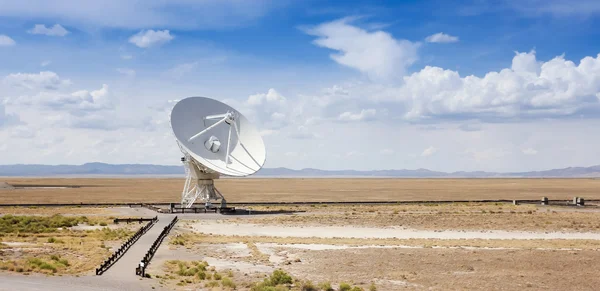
(363, 115)
(149, 38)
(82, 100)
(376, 53)
(441, 37)
(528, 89)
(56, 30)
(271, 97)
(44, 80)
(5, 40)
(5, 118)
(429, 151)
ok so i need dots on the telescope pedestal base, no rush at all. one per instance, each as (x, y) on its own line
(199, 185)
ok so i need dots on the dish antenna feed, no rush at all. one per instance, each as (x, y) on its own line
(215, 140)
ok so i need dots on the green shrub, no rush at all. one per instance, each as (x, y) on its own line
(201, 275)
(47, 266)
(51, 240)
(54, 257)
(102, 223)
(227, 282)
(211, 284)
(345, 287)
(36, 224)
(280, 277)
(217, 276)
(356, 288)
(372, 287)
(308, 286)
(325, 286)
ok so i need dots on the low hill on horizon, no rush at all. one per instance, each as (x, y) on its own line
(158, 170)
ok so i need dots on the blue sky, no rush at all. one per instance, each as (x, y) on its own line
(445, 85)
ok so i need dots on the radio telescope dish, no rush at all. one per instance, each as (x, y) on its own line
(215, 140)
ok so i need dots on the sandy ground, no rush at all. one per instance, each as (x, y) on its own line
(216, 227)
(136, 190)
(515, 259)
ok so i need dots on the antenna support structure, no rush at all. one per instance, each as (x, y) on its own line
(199, 184)
(215, 140)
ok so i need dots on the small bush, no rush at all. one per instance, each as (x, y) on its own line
(280, 277)
(54, 257)
(308, 286)
(356, 288)
(47, 266)
(227, 282)
(51, 240)
(372, 287)
(211, 284)
(201, 275)
(345, 287)
(217, 276)
(325, 286)
(102, 223)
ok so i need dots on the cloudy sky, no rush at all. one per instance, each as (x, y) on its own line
(471, 85)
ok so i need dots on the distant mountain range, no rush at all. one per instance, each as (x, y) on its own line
(158, 170)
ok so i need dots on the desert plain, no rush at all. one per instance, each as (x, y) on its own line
(395, 246)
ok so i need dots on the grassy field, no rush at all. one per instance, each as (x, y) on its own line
(95, 190)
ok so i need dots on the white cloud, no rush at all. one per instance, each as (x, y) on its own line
(364, 115)
(5, 40)
(5, 118)
(56, 30)
(127, 57)
(441, 37)
(82, 100)
(126, 71)
(44, 80)
(376, 53)
(272, 96)
(149, 38)
(429, 151)
(529, 89)
(529, 151)
(45, 63)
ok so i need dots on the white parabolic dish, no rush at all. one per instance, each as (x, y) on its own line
(247, 152)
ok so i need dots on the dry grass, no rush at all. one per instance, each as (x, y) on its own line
(448, 269)
(96, 190)
(442, 217)
(56, 210)
(59, 251)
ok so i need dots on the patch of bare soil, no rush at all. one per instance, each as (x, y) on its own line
(449, 269)
(447, 217)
